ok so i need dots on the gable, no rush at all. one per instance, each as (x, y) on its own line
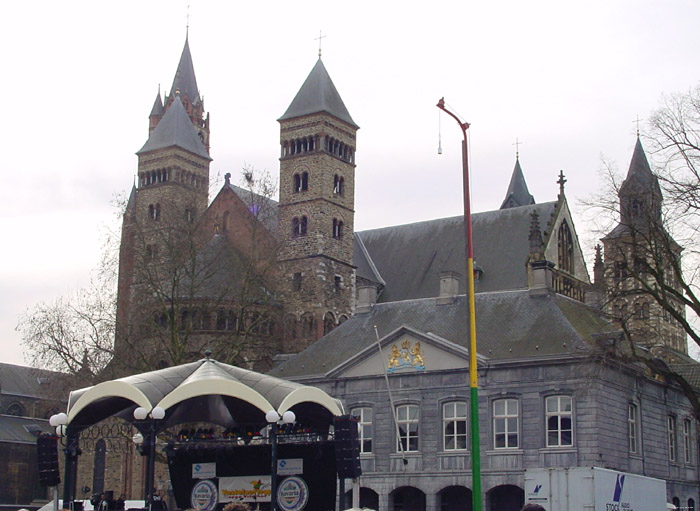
(404, 351)
(551, 251)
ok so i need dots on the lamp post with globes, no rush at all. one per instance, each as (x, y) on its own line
(144, 416)
(274, 420)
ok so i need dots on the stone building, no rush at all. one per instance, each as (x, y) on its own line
(558, 386)
(28, 397)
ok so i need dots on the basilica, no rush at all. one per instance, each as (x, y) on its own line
(378, 318)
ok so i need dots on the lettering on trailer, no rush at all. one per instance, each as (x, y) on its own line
(616, 504)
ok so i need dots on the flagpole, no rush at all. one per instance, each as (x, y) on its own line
(473, 375)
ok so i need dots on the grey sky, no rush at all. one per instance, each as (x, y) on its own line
(79, 79)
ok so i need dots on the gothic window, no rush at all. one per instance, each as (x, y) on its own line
(454, 426)
(337, 228)
(98, 468)
(224, 221)
(297, 183)
(338, 283)
(328, 323)
(304, 181)
(566, 248)
(559, 419)
(225, 320)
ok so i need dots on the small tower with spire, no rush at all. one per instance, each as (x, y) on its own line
(172, 184)
(631, 247)
(316, 208)
(517, 194)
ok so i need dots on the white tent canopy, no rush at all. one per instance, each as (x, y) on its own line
(202, 391)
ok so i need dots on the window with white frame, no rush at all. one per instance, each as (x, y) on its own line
(407, 419)
(364, 422)
(505, 424)
(454, 425)
(559, 415)
(687, 430)
(672, 440)
(633, 428)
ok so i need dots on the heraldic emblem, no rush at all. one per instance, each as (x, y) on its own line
(405, 357)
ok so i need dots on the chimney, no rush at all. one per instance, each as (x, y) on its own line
(366, 298)
(541, 278)
(449, 287)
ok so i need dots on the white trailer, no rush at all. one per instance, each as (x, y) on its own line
(593, 489)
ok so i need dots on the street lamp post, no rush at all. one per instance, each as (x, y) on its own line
(274, 419)
(473, 375)
(156, 414)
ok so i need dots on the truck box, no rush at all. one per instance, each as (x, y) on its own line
(593, 489)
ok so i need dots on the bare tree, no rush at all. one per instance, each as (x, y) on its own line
(648, 282)
(205, 284)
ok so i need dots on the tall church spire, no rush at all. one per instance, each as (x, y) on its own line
(185, 82)
(517, 194)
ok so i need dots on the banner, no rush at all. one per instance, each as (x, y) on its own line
(244, 489)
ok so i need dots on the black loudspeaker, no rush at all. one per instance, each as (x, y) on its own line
(47, 451)
(347, 447)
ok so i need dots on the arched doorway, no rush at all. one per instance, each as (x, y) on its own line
(455, 498)
(368, 499)
(506, 497)
(407, 498)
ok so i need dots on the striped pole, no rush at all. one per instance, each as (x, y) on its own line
(473, 375)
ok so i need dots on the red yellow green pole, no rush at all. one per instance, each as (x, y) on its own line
(473, 375)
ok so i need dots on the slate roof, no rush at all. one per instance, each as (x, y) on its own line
(158, 108)
(541, 326)
(267, 207)
(409, 258)
(25, 381)
(185, 80)
(175, 129)
(639, 174)
(517, 194)
(318, 94)
(18, 430)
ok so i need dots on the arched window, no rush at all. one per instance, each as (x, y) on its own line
(566, 248)
(328, 323)
(299, 226)
(290, 327)
(304, 181)
(224, 222)
(337, 228)
(307, 325)
(297, 183)
(16, 409)
(338, 185)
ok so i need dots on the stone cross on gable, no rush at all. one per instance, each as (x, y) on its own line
(319, 39)
(561, 182)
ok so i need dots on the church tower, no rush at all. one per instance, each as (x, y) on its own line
(316, 210)
(636, 249)
(171, 190)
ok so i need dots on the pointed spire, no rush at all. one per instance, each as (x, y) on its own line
(185, 81)
(517, 194)
(158, 108)
(598, 266)
(318, 94)
(175, 129)
(640, 193)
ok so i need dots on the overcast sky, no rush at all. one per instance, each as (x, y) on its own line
(567, 79)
